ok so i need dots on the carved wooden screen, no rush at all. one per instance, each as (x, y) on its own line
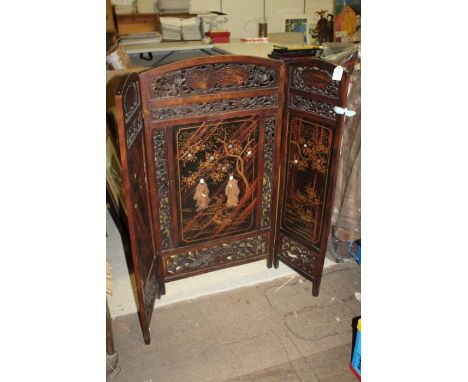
(134, 167)
(309, 157)
(214, 124)
(206, 146)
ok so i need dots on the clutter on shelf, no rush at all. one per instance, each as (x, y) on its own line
(324, 29)
(146, 6)
(173, 6)
(219, 37)
(124, 7)
(347, 20)
(255, 39)
(117, 58)
(283, 52)
(141, 38)
(175, 29)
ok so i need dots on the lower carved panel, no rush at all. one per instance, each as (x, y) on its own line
(196, 260)
(298, 255)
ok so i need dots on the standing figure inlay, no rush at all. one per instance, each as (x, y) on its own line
(232, 192)
(201, 195)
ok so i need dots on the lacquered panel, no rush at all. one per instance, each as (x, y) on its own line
(307, 166)
(211, 204)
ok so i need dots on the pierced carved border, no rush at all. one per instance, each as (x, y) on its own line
(213, 107)
(162, 182)
(298, 255)
(268, 166)
(131, 100)
(330, 87)
(225, 253)
(210, 78)
(133, 128)
(310, 105)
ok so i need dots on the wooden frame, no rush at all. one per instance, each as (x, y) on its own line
(311, 96)
(208, 149)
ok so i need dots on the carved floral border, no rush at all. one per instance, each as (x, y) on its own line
(212, 78)
(195, 260)
(213, 107)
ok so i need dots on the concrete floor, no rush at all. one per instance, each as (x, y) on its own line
(268, 332)
(270, 329)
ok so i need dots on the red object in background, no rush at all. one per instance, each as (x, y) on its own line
(219, 36)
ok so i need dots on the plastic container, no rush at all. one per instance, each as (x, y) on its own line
(355, 364)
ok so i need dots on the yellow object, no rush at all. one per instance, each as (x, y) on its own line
(359, 325)
(349, 21)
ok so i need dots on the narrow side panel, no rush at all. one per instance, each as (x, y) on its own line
(133, 156)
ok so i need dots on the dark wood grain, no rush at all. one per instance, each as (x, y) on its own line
(136, 190)
(211, 118)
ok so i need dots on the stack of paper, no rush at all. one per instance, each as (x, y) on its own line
(141, 38)
(146, 6)
(125, 7)
(191, 29)
(171, 28)
(173, 6)
(181, 29)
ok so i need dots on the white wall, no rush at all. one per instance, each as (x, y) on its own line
(240, 12)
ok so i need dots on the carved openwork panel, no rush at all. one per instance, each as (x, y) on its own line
(310, 105)
(195, 260)
(131, 109)
(133, 128)
(298, 255)
(268, 166)
(307, 167)
(140, 207)
(131, 100)
(162, 113)
(314, 80)
(212, 78)
(216, 177)
(162, 182)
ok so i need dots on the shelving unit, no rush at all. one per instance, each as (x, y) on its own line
(143, 22)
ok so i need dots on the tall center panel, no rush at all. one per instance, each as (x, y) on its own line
(215, 128)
